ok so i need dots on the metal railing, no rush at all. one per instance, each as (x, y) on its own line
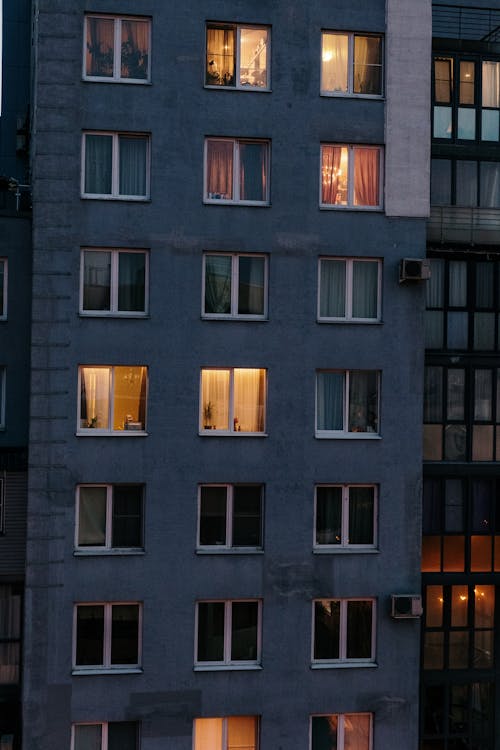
(474, 226)
(454, 22)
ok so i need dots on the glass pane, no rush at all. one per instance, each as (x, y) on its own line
(491, 84)
(251, 280)
(455, 394)
(129, 403)
(431, 554)
(247, 518)
(483, 389)
(434, 607)
(328, 515)
(466, 195)
(100, 45)
(485, 277)
(210, 631)
(484, 331)
(89, 635)
(484, 612)
(442, 122)
(332, 288)
(367, 77)
(94, 397)
(359, 630)
(244, 631)
(127, 516)
(440, 186)
(98, 156)
(2, 284)
(480, 553)
(10, 663)
(253, 171)
(483, 649)
(326, 629)
(330, 400)
(363, 401)
(458, 330)
(220, 56)
(433, 650)
(215, 399)
(434, 710)
(457, 283)
(432, 506)
(122, 735)
(10, 613)
(135, 49)
(361, 515)
(133, 161)
(88, 736)
(434, 292)
(433, 442)
(482, 443)
(219, 170)
(466, 82)
(213, 515)
(218, 284)
(249, 399)
(357, 731)
(131, 282)
(466, 123)
(208, 734)
(483, 497)
(490, 184)
(125, 634)
(459, 606)
(96, 280)
(433, 394)
(334, 54)
(453, 554)
(458, 718)
(458, 649)
(443, 79)
(92, 516)
(433, 329)
(242, 732)
(324, 732)
(366, 176)
(454, 506)
(364, 289)
(253, 57)
(489, 125)
(334, 175)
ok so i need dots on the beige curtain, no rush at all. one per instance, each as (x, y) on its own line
(215, 399)
(219, 169)
(334, 66)
(94, 397)
(220, 57)
(491, 84)
(241, 733)
(249, 397)
(366, 176)
(356, 732)
(208, 734)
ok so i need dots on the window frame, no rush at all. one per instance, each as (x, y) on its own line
(115, 166)
(224, 729)
(351, 35)
(227, 663)
(106, 667)
(104, 731)
(3, 308)
(231, 416)
(107, 547)
(344, 546)
(117, 43)
(3, 388)
(236, 200)
(346, 433)
(234, 314)
(349, 290)
(341, 727)
(97, 431)
(343, 661)
(115, 253)
(229, 546)
(350, 205)
(238, 28)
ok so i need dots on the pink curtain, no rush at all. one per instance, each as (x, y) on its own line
(100, 44)
(219, 169)
(366, 176)
(135, 46)
(330, 164)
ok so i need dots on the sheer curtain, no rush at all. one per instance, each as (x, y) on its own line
(134, 52)
(241, 733)
(215, 399)
(219, 169)
(365, 289)
(491, 84)
(330, 401)
(88, 737)
(208, 734)
(218, 284)
(220, 57)
(249, 397)
(98, 160)
(366, 176)
(357, 731)
(483, 391)
(331, 174)
(367, 65)
(251, 273)
(253, 171)
(363, 405)
(94, 397)
(100, 45)
(131, 281)
(97, 280)
(92, 516)
(324, 732)
(332, 288)
(334, 56)
(133, 160)
(489, 185)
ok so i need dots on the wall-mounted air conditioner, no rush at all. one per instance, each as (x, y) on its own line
(414, 269)
(406, 606)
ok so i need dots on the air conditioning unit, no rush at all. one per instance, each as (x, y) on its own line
(406, 606)
(414, 269)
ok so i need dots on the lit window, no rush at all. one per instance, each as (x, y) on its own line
(116, 49)
(341, 732)
(237, 56)
(108, 517)
(112, 399)
(230, 516)
(349, 289)
(236, 171)
(112, 735)
(344, 631)
(351, 176)
(228, 633)
(115, 165)
(114, 281)
(3, 288)
(235, 286)
(347, 403)
(351, 64)
(107, 636)
(227, 733)
(345, 516)
(233, 400)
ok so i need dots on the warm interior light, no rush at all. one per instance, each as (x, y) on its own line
(327, 56)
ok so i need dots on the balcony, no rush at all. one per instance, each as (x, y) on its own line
(473, 226)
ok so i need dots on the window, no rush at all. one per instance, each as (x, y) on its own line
(114, 281)
(3, 288)
(351, 64)
(341, 732)
(11, 603)
(228, 733)
(116, 49)
(235, 286)
(344, 631)
(109, 517)
(228, 633)
(107, 637)
(351, 176)
(112, 399)
(238, 56)
(459, 713)
(112, 735)
(236, 171)
(233, 400)
(115, 165)
(2, 397)
(347, 403)
(345, 516)
(466, 183)
(230, 516)
(349, 289)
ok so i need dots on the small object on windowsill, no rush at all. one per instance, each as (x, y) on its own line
(236, 425)
(137, 426)
(92, 422)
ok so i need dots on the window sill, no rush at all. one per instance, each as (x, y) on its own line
(121, 198)
(349, 95)
(87, 671)
(224, 202)
(330, 550)
(109, 314)
(227, 433)
(227, 668)
(347, 436)
(92, 432)
(245, 318)
(127, 81)
(328, 207)
(252, 89)
(229, 551)
(346, 321)
(345, 665)
(116, 552)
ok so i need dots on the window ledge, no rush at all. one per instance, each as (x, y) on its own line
(246, 89)
(227, 433)
(345, 665)
(108, 314)
(224, 202)
(229, 551)
(122, 199)
(244, 318)
(347, 95)
(330, 550)
(227, 667)
(92, 432)
(347, 436)
(87, 671)
(116, 552)
(345, 321)
(126, 81)
(371, 209)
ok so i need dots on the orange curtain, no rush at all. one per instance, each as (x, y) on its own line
(330, 164)
(219, 169)
(366, 177)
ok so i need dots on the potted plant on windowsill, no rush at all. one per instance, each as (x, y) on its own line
(208, 411)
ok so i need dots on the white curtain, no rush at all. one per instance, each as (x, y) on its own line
(249, 396)
(218, 284)
(491, 84)
(92, 516)
(330, 401)
(98, 159)
(458, 283)
(208, 734)
(483, 391)
(215, 399)
(364, 289)
(332, 288)
(334, 63)
(133, 159)
(94, 401)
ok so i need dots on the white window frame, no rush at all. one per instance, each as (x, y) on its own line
(116, 77)
(229, 547)
(234, 314)
(107, 547)
(341, 727)
(95, 431)
(115, 162)
(350, 65)
(114, 283)
(238, 28)
(350, 206)
(104, 731)
(226, 662)
(106, 667)
(349, 290)
(343, 661)
(235, 200)
(3, 387)
(3, 310)
(345, 433)
(231, 431)
(344, 545)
